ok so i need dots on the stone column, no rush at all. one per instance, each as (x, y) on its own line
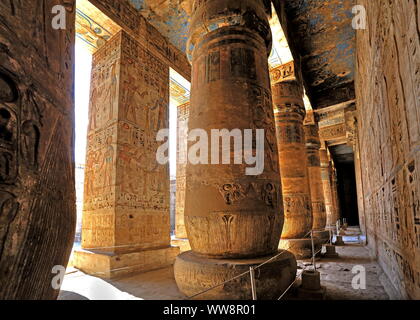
(313, 146)
(37, 193)
(180, 231)
(233, 220)
(126, 224)
(336, 201)
(326, 177)
(289, 112)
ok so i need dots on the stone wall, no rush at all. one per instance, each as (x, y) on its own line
(388, 89)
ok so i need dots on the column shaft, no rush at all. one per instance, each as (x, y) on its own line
(228, 213)
(289, 113)
(233, 219)
(326, 176)
(313, 146)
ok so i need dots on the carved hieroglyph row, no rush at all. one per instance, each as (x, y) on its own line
(387, 89)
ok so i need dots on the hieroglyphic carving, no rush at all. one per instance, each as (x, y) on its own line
(284, 72)
(333, 132)
(8, 145)
(37, 200)
(123, 179)
(388, 134)
(234, 192)
(262, 118)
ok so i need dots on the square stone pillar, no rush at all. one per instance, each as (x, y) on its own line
(126, 221)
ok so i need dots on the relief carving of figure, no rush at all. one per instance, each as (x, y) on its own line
(93, 110)
(6, 163)
(269, 195)
(9, 208)
(30, 143)
(6, 133)
(107, 167)
(91, 168)
(113, 90)
(8, 148)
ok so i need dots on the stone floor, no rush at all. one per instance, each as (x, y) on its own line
(336, 276)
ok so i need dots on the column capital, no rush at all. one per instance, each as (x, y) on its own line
(215, 17)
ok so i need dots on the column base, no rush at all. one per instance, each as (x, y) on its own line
(194, 274)
(301, 248)
(339, 241)
(114, 265)
(183, 244)
(305, 294)
(311, 288)
(323, 235)
(330, 251)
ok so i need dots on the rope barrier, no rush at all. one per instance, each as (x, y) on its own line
(248, 272)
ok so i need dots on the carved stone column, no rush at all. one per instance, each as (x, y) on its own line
(289, 112)
(233, 220)
(336, 200)
(180, 231)
(126, 224)
(326, 177)
(37, 193)
(313, 146)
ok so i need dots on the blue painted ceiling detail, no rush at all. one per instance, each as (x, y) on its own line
(321, 32)
(169, 17)
(323, 37)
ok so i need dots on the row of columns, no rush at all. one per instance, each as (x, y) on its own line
(233, 221)
(307, 172)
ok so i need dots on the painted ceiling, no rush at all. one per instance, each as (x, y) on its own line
(320, 29)
(322, 35)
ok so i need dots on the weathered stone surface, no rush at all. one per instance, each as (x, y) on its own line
(37, 198)
(313, 146)
(183, 244)
(195, 274)
(289, 111)
(323, 235)
(388, 90)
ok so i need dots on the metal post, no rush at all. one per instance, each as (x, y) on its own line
(313, 250)
(253, 285)
(329, 231)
